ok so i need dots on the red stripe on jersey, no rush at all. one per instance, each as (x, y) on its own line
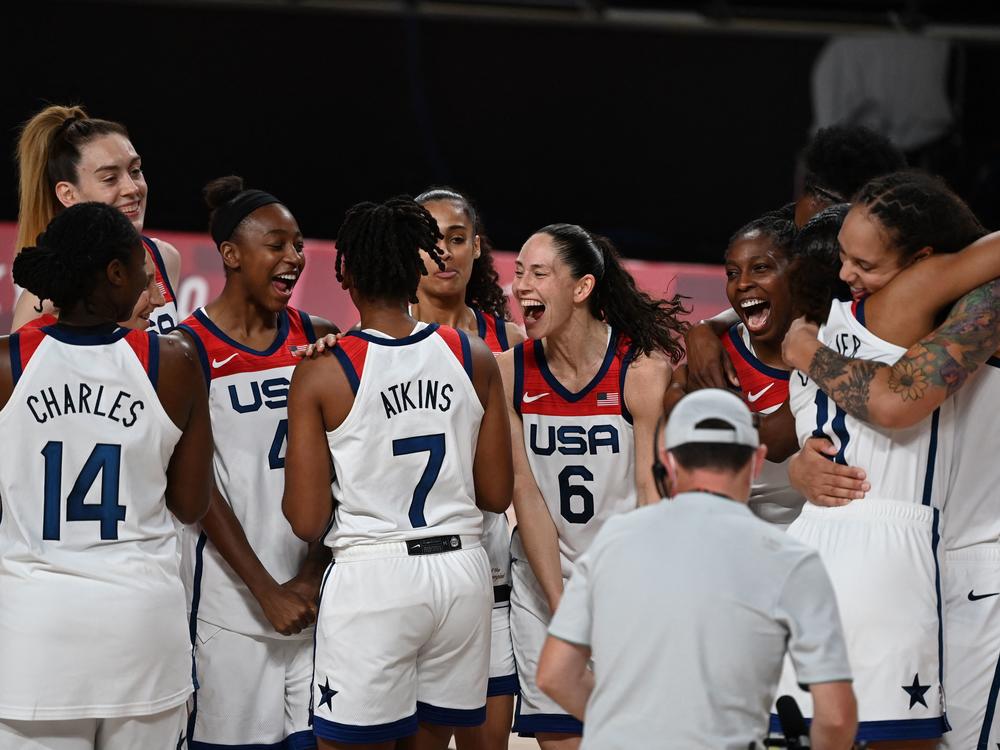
(139, 341)
(356, 349)
(454, 342)
(488, 331)
(40, 322)
(159, 270)
(30, 337)
(543, 394)
(227, 357)
(761, 387)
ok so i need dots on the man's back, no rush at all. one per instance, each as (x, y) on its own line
(688, 607)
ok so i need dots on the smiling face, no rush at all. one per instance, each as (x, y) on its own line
(868, 259)
(109, 171)
(150, 299)
(267, 252)
(459, 250)
(545, 288)
(757, 286)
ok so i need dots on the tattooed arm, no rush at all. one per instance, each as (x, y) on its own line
(934, 368)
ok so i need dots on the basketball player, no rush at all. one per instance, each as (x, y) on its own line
(902, 394)
(255, 584)
(410, 417)
(111, 431)
(889, 594)
(584, 393)
(757, 262)
(466, 295)
(65, 157)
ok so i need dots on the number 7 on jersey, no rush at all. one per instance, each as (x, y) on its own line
(435, 446)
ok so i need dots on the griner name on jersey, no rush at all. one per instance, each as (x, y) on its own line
(83, 399)
(416, 394)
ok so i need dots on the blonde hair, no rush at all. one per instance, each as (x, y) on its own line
(48, 152)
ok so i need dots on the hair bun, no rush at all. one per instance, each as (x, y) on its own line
(221, 190)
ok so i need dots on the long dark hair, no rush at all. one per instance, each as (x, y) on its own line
(814, 274)
(651, 324)
(483, 291)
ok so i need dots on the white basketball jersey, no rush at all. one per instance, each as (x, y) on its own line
(580, 446)
(403, 456)
(248, 399)
(972, 508)
(163, 319)
(910, 465)
(92, 620)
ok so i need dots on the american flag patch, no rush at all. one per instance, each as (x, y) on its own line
(162, 287)
(299, 350)
(607, 399)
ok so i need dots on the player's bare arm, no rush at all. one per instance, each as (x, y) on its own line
(492, 469)
(515, 334)
(563, 675)
(708, 363)
(900, 395)
(307, 502)
(534, 524)
(927, 286)
(835, 719)
(27, 307)
(777, 432)
(171, 262)
(646, 380)
(183, 394)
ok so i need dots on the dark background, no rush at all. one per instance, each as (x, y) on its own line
(666, 140)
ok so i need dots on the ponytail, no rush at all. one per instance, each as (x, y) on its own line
(651, 324)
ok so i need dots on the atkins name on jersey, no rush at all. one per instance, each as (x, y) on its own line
(429, 394)
(123, 408)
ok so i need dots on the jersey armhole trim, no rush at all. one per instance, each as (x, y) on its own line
(858, 309)
(15, 357)
(345, 362)
(154, 252)
(153, 360)
(307, 326)
(518, 376)
(466, 352)
(626, 362)
(199, 346)
(501, 333)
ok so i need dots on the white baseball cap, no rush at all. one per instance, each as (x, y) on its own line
(710, 403)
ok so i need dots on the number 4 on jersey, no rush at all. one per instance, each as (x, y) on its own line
(105, 460)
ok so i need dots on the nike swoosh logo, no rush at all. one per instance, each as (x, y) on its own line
(751, 397)
(217, 363)
(976, 597)
(526, 399)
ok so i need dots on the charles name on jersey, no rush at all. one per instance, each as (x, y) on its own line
(416, 394)
(48, 404)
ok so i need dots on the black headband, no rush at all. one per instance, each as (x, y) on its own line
(229, 215)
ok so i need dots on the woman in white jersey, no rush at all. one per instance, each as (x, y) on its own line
(898, 395)
(409, 418)
(592, 374)
(112, 436)
(65, 157)
(255, 584)
(466, 294)
(882, 553)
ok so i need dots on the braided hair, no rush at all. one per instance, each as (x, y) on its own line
(814, 274)
(777, 226)
(483, 291)
(70, 257)
(49, 149)
(919, 210)
(651, 324)
(379, 246)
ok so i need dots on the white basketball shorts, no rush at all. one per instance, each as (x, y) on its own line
(402, 639)
(162, 731)
(972, 646)
(882, 559)
(252, 691)
(529, 626)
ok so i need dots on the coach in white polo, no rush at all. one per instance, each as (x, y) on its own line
(688, 607)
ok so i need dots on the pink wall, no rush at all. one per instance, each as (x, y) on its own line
(319, 293)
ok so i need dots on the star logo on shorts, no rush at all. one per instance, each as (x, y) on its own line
(916, 692)
(327, 694)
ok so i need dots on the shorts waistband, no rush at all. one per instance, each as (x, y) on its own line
(978, 553)
(901, 510)
(439, 545)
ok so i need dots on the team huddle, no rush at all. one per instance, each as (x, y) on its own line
(252, 529)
